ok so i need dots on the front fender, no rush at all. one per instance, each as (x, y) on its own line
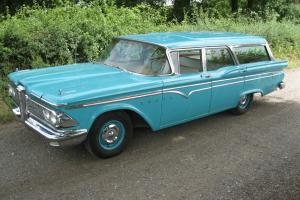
(149, 109)
(124, 106)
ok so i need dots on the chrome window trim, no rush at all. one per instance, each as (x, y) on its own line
(153, 44)
(203, 54)
(266, 45)
(188, 49)
(235, 63)
(269, 51)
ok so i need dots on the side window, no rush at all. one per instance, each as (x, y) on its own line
(217, 58)
(188, 61)
(250, 54)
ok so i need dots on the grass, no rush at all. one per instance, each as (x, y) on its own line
(5, 113)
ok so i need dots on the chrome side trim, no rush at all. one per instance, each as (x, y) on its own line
(48, 102)
(184, 94)
(185, 86)
(228, 79)
(215, 86)
(173, 90)
(261, 74)
(114, 100)
(262, 77)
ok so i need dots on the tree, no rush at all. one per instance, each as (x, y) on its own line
(180, 6)
(250, 4)
(234, 5)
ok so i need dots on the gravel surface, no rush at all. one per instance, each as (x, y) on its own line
(253, 156)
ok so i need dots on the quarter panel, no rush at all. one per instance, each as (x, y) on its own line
(264, 76)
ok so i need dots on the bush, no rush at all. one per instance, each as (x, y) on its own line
(36, 37)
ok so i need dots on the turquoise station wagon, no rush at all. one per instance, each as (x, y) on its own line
(157, 79)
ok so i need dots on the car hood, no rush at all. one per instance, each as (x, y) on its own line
(70, 84)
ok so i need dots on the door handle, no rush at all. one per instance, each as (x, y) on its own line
(207, 76)
(243, 70)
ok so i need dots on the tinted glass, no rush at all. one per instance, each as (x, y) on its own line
(217, 58)
(137, 57)
(251, 54)
(188, 61)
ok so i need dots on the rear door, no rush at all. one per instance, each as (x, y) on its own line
(227, 78)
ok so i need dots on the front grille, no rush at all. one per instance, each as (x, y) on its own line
(15, 97)
(34, 108)
(22, 101)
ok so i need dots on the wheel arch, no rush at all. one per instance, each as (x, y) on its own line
(136, 115)
(254, 91)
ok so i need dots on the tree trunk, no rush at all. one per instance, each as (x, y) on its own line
(179, 7)
(250, 4)
(234, 5)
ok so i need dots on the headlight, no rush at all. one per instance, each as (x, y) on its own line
(46, 114)
(11, 91)
(51, 117)
(58, 119)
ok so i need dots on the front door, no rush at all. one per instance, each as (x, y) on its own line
(187, 95)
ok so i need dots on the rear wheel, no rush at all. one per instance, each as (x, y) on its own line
(243, 105)
(109, 134)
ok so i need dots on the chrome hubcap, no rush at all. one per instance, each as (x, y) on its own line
(243, 100)
(111, 133)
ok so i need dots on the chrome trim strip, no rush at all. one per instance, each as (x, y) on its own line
(48, 102)
(262, 77)
(170, 90)
(185, 86)
(261, 74)
(228, 79)
(184, 94)
(215, 86)
(114, 100)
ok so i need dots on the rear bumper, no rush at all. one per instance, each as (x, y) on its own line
(55, 137)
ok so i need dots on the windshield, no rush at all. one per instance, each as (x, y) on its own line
(136, 57)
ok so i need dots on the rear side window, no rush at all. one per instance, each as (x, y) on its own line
(251, 54)
(217, 58)
(188, 61)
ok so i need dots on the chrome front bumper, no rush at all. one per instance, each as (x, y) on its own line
(55, 137)
(281, 85)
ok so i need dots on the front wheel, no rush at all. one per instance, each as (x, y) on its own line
(109, 134)
(243, 105)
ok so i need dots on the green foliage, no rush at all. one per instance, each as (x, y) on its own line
(39, 37)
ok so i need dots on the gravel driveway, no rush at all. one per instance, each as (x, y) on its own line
(253, 156)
